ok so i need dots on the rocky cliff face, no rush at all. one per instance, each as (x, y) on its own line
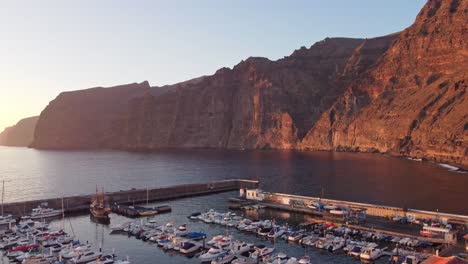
(413, 100)
(89, 118)
(19, 135)
(402, 94)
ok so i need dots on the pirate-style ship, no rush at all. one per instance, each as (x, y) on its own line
(99, 207)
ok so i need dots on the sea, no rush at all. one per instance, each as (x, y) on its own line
(372, 178)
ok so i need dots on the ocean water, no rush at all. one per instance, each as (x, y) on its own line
(31, 174)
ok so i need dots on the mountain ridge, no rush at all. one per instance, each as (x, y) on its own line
(403, 94)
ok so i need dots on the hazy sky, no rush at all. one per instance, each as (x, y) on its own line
(51, 46)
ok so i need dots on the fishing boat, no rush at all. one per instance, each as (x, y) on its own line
(99, 208)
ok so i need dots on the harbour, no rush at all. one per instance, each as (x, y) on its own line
(371, 228)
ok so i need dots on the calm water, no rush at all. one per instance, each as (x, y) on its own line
(31, 174)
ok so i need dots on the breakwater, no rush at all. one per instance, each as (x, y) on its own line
(79, 203)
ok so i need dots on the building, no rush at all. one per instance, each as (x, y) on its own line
(255, 194)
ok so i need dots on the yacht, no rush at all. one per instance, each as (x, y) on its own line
(189, 247)
(275, 232)
(261, 251)
(225, 257)
(241, 247)
(40, 213)
(211, 254)
(370, 253)
(86, 257)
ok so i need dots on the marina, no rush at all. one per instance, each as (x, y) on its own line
(324, 226)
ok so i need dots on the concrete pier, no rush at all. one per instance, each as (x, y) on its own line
(80, 203)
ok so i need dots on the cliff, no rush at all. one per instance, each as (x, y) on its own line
(413, 100)
(90, 118)
(19, 135)
(401, 94)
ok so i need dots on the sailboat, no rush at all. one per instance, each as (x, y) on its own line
(99, 208)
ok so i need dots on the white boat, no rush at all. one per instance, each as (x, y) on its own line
(215, 240)
(295, 236)
(338, 211)
(304, 260)
(189, 247)
(86, 257)
(261, 252)
(223, 258)
(370, 253)
(211, 254)
(120, 227)
(336, 244)
(323, 243)
(71, 253)
(240, 247)
(106, 259)
(276, 232)
(40, 213)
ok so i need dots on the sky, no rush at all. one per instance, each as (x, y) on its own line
(50, 46)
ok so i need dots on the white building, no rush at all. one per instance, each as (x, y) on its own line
(255, 194)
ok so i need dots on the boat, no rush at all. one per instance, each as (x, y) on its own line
(275, 232)
(241, 247)
(99, 208)
(105, 259)
(223, 258)
(338, 211)
(196, 235)
(189, 247)
(43, 212)
(304, 260)
(211, 254)
(336, 244)
(295, 236)
(86, 257)
(261, 251)
(370, 253)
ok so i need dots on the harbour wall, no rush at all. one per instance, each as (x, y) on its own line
(371, 209)
(79, 203)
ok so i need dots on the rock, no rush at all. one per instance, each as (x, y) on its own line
(91, 118)
(19, 135)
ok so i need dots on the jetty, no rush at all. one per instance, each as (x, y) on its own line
(80, 203)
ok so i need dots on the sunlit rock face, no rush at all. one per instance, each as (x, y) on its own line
(402, 94)
(19, 135)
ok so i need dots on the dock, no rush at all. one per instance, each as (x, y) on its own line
(375, 218)
(80, 203)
